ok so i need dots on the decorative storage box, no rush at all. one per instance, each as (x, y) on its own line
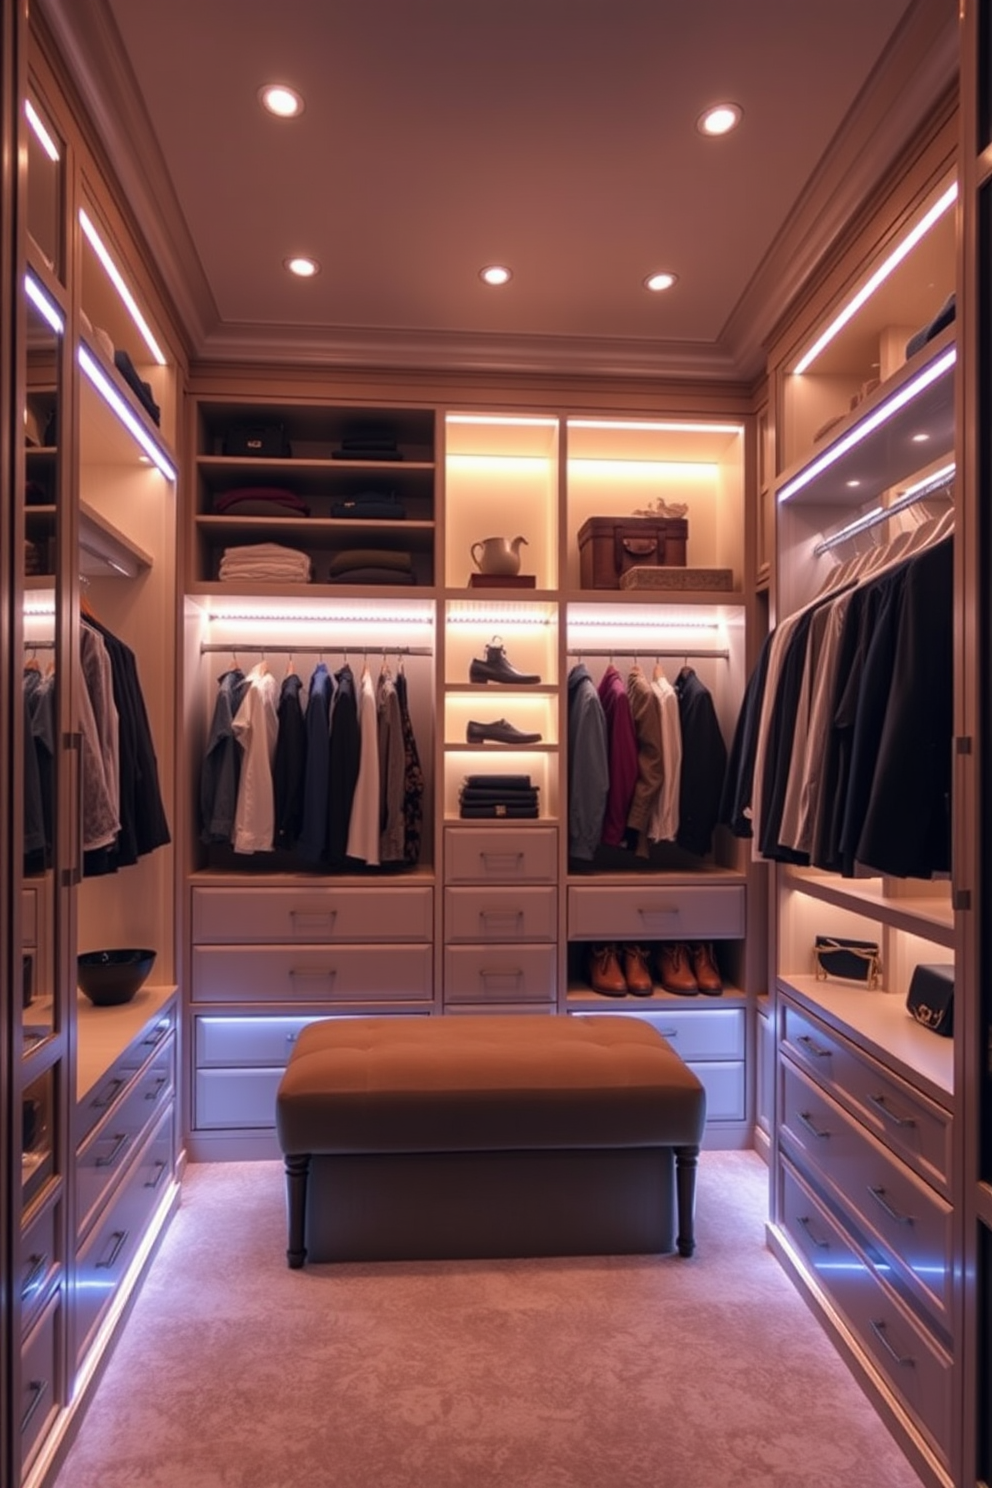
(609, 546)
(677, 578)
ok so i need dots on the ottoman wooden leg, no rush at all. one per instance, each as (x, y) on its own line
(686, 1161)
(297, 1175)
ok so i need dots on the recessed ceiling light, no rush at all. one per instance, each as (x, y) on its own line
(920, 438)
(659, 281)
(720, 119)
(495, 274)
(303, 268)
(284, 102)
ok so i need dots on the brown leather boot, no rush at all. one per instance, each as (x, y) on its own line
(675, 969)
(705, 969)
(636, 971)
(605, 975)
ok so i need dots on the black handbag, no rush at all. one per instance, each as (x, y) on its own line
(262, 438)
(851, 960)
(930, 998)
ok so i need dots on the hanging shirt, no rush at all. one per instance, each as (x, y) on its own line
(621, 741)
(392, 770)
(363, 828)
(256, 728)
(663, 825)
(588, 765)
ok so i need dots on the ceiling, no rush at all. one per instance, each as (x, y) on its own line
(556, 136)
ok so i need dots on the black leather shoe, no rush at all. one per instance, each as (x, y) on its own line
(496, 668)
(499, 732)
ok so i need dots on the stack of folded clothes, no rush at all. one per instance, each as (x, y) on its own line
(371, 566)
(141, 390)
(370, 505)
(498, 796)
(260, 501)
(264, 562)
(368, 442)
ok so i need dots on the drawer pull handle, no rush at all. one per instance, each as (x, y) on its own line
(658, 912)
(905, 1361)
(496, 919)
(120, 1142)
(109, 1095)
(157, 1035)
(669, 1033)
(501, 973)
(878, 1194)
(313, 973)
(31, 1282)
(878, 1101)
(157, 1089)
(807, 1225)
(118, 1237)
(38, 1389)
(160, 1171)
(805, 1119)
(812, 1047)
(500, 862)
(313, 919)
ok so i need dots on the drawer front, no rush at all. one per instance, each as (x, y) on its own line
(265, 1042)
(642, 911)
(29, 917)
(493, 914)
(891, 1206)
(103, 1095)
(914, 1364)
(501, 975)
(315, 916)
(39, 1257)
(243, 1098)
(109, 1147)
(41, 1390)
(107, 1253)
(482, 855)
(914, 1127)
(724, 1086)
(706, 1033)
(396, 973)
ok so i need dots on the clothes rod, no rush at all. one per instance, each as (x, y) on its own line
(854, 529)
(311, 650)
(652, 651)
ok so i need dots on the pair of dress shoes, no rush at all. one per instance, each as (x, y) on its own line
(688, 967)
(615, 970)
(499, 732)
(496, 667)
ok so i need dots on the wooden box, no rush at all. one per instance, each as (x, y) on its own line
(609, 546)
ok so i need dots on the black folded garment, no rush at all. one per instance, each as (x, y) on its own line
(505, 782)
(142, 390)
(371, 576)
(517, 813)
(490, 798)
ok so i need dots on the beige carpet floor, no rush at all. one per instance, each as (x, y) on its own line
(234, 1372)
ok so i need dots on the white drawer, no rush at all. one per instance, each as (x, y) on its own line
(247, 1041)
(334, 973)
(724, 1086)
(500, 914)
(911, 1360)
(315, 915)
(520, 973)
(29, 917)
(243, 1098)
(915, 1128)
(652, 911)
(41, 1370)
(897, 1212)
(694, 1033)
(516, 855)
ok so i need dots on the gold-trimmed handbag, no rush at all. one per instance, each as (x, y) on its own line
(851, 960)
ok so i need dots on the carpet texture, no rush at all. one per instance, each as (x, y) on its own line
(632, 1372)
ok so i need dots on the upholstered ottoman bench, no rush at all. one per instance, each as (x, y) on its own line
(496, 1135)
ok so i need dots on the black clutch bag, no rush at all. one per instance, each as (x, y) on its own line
(851, 960)
(261, 438)
(931, 998)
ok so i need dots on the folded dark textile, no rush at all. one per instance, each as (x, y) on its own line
(352, 558)
(926, 333)
(371, 576)
(517, 813)
(475, 795)
(273, 495)
(505, 782)
(142, 390)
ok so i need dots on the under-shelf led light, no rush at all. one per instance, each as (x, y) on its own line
(881, 415)
(667, 426)
(49, 146)
(41, 302)
(135, 428)
(880, 275)
(116, 278)
(334, 617)
(514, 422)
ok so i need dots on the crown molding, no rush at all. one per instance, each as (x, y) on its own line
(90, 47)
(916, 78)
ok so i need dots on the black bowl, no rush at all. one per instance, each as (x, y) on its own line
(110, 978)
